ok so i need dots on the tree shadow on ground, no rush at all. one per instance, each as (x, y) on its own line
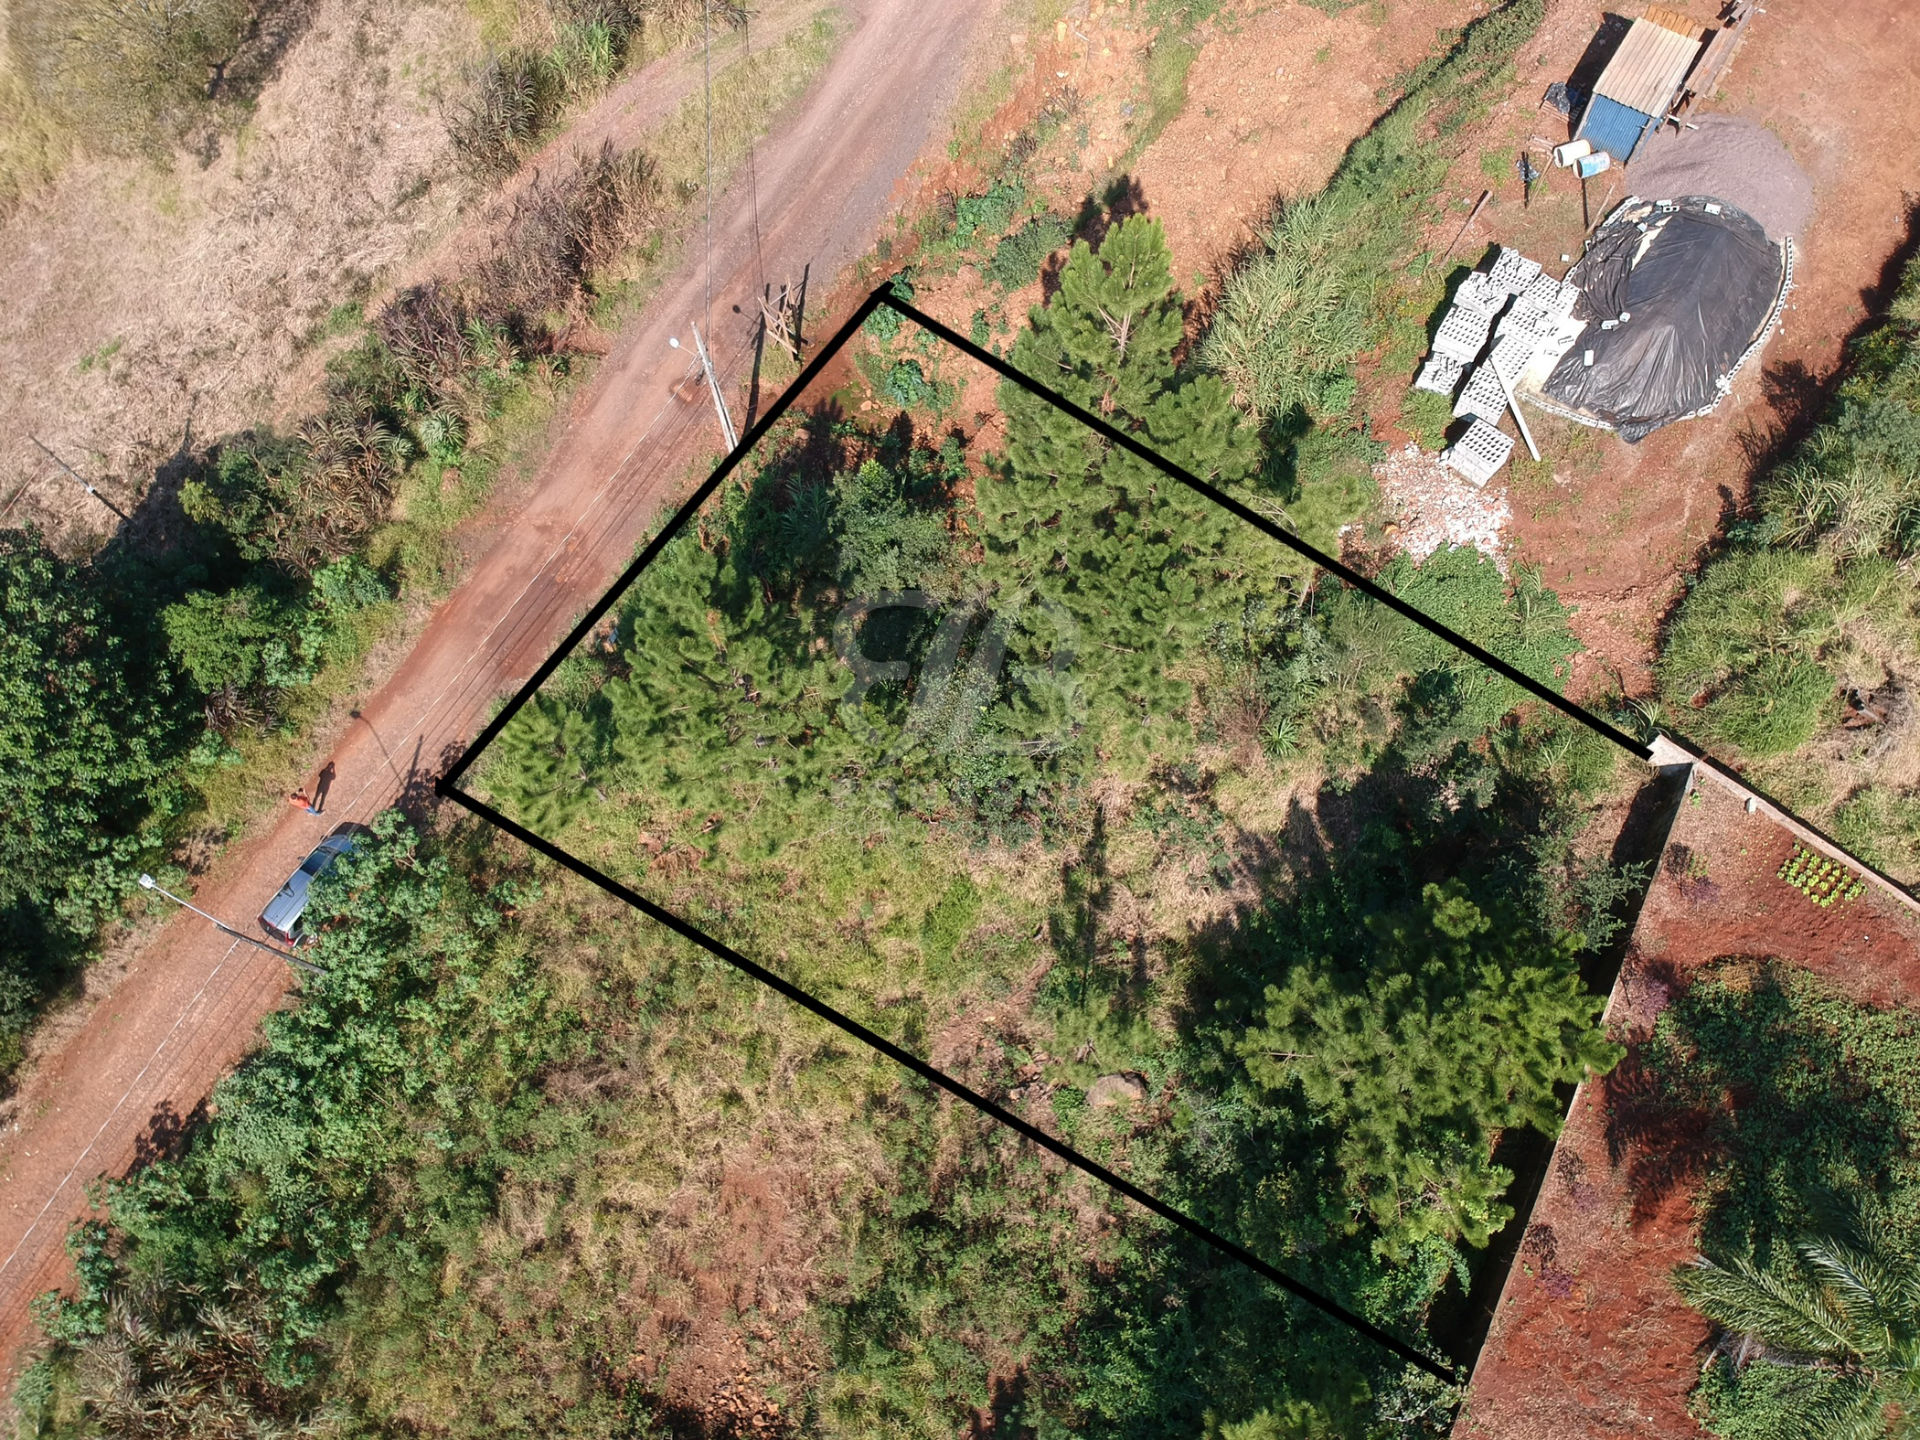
(167, 1133)
(1745, 1094)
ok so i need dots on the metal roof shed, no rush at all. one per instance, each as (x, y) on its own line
(1638, 87)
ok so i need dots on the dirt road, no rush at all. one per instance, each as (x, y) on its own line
(189, 1005)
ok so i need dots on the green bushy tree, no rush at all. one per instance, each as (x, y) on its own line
(1432, 1033)
(252, 639)
(89, 732)
(410, 1055)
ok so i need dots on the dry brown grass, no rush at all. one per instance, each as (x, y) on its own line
(149, 306)
(32, 147)
(155, 308)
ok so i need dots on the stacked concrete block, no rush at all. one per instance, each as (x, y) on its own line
(1478, 292)
(1556, 297)
(1440, 375)
(1527, 317)
(1515, 352)
(1483, 398)
(1512, 272)
(1478, 454)
(1463, 334)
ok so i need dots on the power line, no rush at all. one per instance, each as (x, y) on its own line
(706, 27)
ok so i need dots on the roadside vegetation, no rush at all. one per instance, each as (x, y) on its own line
(214, 632)
(1794, 649)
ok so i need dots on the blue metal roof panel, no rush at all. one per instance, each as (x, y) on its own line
(1610, 126)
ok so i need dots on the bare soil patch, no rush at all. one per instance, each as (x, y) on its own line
(1272, 105)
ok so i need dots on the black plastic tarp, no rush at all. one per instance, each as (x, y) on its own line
(1689, 288)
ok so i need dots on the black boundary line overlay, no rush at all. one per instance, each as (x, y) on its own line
(659, 542)
(1266, 527)
(448, 785)
(933, 1075)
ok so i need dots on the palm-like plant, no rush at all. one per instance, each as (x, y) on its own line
(1847, 1307)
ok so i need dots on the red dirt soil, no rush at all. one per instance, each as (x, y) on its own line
(1616, 525)
(189, 1005)
(1590, 1339)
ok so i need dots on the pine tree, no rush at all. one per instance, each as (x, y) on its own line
(728, 697)
(1140, 564)
(542, 765)
(1452, 1024)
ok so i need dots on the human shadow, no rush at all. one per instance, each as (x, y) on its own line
(167, 1133)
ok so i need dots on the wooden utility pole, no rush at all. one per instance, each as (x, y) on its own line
(1472, 215)
(713, 385)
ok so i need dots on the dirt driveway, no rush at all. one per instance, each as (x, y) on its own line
(189, 1005)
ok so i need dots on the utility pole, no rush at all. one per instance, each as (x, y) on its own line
(713, 385)
(147, 882)
(706, 34)
(84, 484)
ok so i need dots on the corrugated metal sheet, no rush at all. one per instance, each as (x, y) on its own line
(1647, 69)
(1610, 126)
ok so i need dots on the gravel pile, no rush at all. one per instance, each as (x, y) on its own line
(1428, 506)
(1729, 159)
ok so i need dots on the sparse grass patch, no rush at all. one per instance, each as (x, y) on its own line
(1426, 417)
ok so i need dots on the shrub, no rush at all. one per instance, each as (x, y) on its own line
(242, 645)
(1427, 416)
(564, 230)
(1774, 707)
(1018, 258)
(304, 500)
(906, 384)
(507, 101)
(988, 215)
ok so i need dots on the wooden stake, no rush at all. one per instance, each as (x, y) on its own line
(1485, 195)
(1514, 405)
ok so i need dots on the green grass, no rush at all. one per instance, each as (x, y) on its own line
(101, 356)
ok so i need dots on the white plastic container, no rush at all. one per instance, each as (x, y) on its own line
(1588, 166)
(1565, 155)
